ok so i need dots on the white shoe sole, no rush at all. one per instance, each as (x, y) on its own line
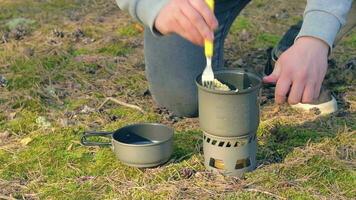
(324, 108)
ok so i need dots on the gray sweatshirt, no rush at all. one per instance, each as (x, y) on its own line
(322, 18)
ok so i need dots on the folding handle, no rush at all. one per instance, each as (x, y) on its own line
(84, 139)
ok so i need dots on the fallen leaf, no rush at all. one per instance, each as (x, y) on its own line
(26, 141)
(139, 27)
(4, 135)
(70, 147)
(12, 116)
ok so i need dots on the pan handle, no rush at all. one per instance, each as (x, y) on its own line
(84, 139)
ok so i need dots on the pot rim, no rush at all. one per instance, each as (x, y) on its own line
(232, 92)
(171, 132)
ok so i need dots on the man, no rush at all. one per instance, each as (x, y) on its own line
(174, 56)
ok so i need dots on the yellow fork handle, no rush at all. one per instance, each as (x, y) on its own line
(209, 45)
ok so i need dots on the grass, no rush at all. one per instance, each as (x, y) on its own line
(129, 30)
(350, 41)
(240, 24)
(24, 123)
(300, 156)
(115, 50)
(266, 39)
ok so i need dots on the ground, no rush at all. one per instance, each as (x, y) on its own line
(60, 59)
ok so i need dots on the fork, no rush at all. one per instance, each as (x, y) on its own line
(208, 74)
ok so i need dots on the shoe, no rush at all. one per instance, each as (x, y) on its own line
(326, 103)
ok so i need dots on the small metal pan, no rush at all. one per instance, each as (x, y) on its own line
(138, 145)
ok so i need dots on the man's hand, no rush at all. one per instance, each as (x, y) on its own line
(191, 19)
(300, 71)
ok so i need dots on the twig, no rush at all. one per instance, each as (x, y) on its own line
(6, 197)
(265, 192)
(7, 150)
(74, 168)
(121, 103)
(183, 157)
(3, 38)
(82, 79)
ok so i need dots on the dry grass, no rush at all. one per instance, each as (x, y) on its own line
(78, 53)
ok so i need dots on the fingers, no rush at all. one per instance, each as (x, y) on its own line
(273, 78)
(270, 79)
(302, 69)
(193, 21)
(317, 89)
(205, 12)
(198, 21)
(309, 93)
(188, 30)
(296, 92)
(282, 89)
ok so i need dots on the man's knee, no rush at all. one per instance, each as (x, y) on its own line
(182, 102)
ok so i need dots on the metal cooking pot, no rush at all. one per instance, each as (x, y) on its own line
(230, 113)
(138, 145)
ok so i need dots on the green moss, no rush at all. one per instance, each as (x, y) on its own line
(350, 40)
(4, 158)
(260, 3)
(142, 193)
(340, 88)
(52, 62)
(285, 138)
(19, 22)
(24, 123)
(22, 82)
(42, 154)
(321, 175)
(69, 190)
(241, 23)
(80, 51)
(8, 11)
(98, 95)
(292, 193)
(266, 39)
(115, 49)
(186, 143)
(53, 5)
(25, 76)
(96, 31)
(127, 115)
(30, 104)
(328, 175)
(298, 161)
(76, 103)
(133, 83)
(243, 195)
(21, 9)
(28, 73)
(2, 119)
(129, 30)
(56, 157)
